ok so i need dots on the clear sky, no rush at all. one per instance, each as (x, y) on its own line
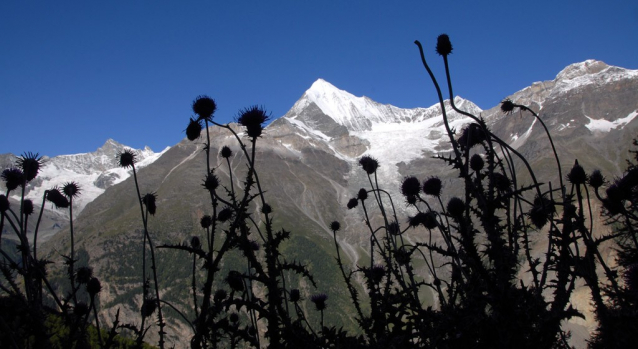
(75, 73)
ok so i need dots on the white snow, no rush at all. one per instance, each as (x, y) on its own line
(84, 169)
(602, 125)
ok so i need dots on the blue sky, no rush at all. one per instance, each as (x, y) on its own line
(75, 73)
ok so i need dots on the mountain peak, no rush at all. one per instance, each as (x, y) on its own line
(588, 67)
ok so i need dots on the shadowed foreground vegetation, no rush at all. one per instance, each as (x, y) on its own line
(246, 287)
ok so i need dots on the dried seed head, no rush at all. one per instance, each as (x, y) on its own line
(211, 182)
(476, 163)
(577, 175)
(320, 301)
(410, 187)
(233, 317)
(204, 106)
(541, 211)
(253, 118)
(235, 281)
(369, 164)
(195, 243)
(501, 182)
(226, 152)
(127, 158)
(455, 207)
(507, 106)
(206, 221)
(13, 178)
(27, 207)
(193, 130)
(266, 209)
(295, 296)
(362, 195)
(30, 164)
(83, 275)
(352, 203)
(443, 45)
(220, 295)
(335, 226)
(596, 179)
(71, 190)
(394, 229)
(149, 201)
(376, 273)
(432, 186)
(59, 200)
(224, 214)
(148, 307)
(93, 287)
(472, 135)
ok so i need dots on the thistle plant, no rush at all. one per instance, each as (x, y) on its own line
(477, 274)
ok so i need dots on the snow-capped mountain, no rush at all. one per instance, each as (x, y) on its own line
(94, 172)
(307, 164)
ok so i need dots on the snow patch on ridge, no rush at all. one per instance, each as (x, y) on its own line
(602, 125)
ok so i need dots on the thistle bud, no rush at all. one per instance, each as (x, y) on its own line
(443, 45)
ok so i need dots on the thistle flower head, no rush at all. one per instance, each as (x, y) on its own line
(234, 317)
(27, 207)
(352, 203)
(577, 175)
(83, 275)
(13, 178)
(501, 182)
(195, 242)
(507, 106)
(596, 179)
(393, 228)
(369, 164)
(443, 45)
(455, 207)
(472, 135)
(432, 186)
(71, 189)
(476, 163)
(93, 287)
(410, 187)
(59, 200)
(226, 152)
(211, 182)
(204, 106)
(362, 194)
(295, 296)
(253, 118)
(220, 295)
(541, 211)
(193, 130)
(235, 280)
(127, 158)
(149, 201)
(30, 164)
(148, 307)
(224, 214)
(377, 272)
(335, 226)
(266, 209)
(206, 221)
(319, 300)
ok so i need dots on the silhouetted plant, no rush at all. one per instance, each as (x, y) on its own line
(490, 290)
